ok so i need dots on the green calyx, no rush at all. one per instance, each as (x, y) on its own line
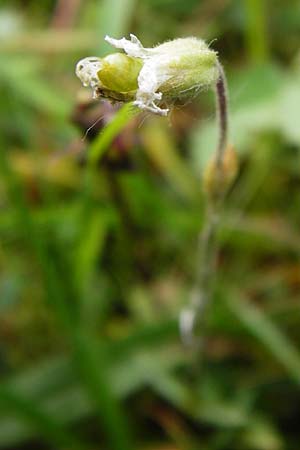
(190, 73)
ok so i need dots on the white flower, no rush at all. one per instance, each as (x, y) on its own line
(87, 70)
(175, 69)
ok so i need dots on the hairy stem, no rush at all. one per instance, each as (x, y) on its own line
(193, 318)
(222, 115)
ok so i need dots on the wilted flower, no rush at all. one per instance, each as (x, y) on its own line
(151, 76)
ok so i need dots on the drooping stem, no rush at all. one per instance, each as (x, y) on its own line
(222, 112)
(193, 318)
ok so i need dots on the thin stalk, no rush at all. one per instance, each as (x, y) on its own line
(193, 318)
(222, 115)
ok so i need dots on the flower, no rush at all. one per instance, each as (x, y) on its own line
(151, 76)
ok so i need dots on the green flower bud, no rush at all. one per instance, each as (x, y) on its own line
(119, 72)
(114, 77)
(175, 69)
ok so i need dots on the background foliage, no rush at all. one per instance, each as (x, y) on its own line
(98, 236)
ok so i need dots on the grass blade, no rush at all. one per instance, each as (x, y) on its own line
(107, 135)
(261, 327)
(42, 422)
(93, 365)
(115, 16)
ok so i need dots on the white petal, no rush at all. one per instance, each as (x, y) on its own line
(87, 71)
(151, 107)
(133, 47)
(149, 81)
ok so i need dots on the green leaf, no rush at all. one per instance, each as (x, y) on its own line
(92, 363)
(261, 327)
(56, 387)
(114, 20)
(42, 422)
(90, 246)
(108, 134)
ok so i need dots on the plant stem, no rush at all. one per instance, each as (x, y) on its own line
(193, 318)
(222, 115)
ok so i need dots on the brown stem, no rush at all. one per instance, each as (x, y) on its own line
(193, 318)
(222, 111)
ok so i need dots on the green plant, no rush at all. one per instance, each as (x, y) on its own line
(100, 212)
(153, 76)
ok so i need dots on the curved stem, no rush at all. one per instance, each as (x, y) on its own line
(194, 317)
(222, 111)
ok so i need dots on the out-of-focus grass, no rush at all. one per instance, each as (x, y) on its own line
(98, 238)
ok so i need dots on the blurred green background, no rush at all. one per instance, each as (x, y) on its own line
(97, 254)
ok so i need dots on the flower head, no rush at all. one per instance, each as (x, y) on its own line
(151, 76)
